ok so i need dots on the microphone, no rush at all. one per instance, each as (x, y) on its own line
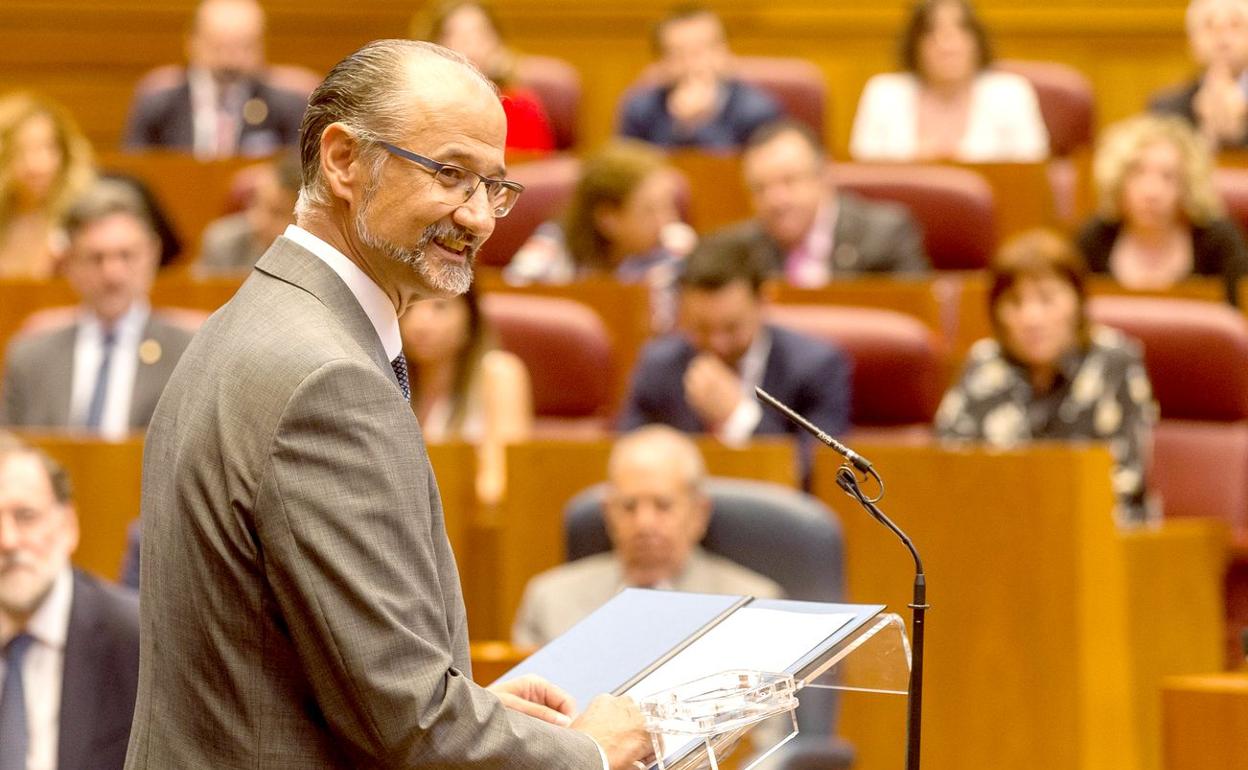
(858, 461)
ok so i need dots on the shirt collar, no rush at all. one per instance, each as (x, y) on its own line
(129, 328)
(377, 306)
(49, 624)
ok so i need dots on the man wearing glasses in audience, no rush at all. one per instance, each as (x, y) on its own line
(301, 606)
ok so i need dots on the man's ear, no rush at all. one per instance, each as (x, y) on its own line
(340, 163)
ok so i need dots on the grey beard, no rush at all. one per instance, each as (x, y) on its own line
(448, 278)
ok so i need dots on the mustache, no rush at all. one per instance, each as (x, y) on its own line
(18, 559)
(451, 230)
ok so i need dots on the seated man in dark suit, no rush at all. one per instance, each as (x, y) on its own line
(1215, 102)
(702, 379)
(656, 511)
(70, 644)
(223, 107)
(698, 104)
(103, 368)
(808, 230)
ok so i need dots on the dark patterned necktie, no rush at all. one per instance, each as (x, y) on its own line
(95, 408)
(14, 736)
(400, 371)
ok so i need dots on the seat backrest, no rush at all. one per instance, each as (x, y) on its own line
(797, 84)
(781, 533)
(1066, 99)
(1196, 353)
(787, 535)
(954, 207)
(1232, 187)
(558, 84)
(548, 184)
(897, 362)
(63, 315)
(564, 344)
(291, 77)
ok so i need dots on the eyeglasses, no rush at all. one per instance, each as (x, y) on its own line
(462, 183)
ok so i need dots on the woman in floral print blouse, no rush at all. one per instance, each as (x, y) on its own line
(1048, 373)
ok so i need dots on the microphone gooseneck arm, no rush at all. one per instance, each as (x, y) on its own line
(847, 481)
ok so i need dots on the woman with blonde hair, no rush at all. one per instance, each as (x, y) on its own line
(1048, 373)
(623, 220)
(45, 162)
(1159, 219)
(464, 387)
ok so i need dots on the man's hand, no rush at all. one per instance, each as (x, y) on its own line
(712, 389)
(619, 728)
(1220, 105)
(533, 695)
(694, 100)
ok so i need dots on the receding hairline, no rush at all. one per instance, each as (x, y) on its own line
(653, 439)
(204, 7)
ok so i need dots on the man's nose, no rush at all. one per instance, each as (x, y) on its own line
(476, 215)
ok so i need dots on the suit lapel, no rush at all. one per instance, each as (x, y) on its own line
(290, 262)
(60, 362)
(80, 685)
(147, 385)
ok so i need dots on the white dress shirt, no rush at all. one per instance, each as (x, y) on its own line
(41, 672)
(740, 425)
(377, 307)
(122, 369)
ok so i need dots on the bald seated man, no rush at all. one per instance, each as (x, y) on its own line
(223, 107)
(656, 512)
(300, 604)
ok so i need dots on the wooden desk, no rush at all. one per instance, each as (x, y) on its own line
(526, 536)
(1043, 638)
(924, 298)
(1206, 721)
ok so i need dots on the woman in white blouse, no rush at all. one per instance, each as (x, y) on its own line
(948, 105)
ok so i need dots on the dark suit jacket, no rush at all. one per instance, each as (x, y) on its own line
(808, 375)
(746, 108)
(39, 372)
(301, 606)
(163, 119)
(1178, 100)
(100, 676)
(869, 237)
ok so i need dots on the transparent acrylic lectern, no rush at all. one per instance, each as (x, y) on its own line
(698, 724)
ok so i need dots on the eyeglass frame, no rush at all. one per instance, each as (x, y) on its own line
(435, 167)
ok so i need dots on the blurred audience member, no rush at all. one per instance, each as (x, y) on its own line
(231, 245)
(805, 228)
(703, 378)
(656, 511)
(70, 644)
(45, 162)
(472, 29)
(104, 370)
(1048, 373)
(464, 387)
(1159, 218)
(623, 220)
(948, 104)
(698, 102)
(1216, 101)
(224, 106)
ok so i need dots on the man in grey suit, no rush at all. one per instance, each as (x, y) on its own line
(69, 644)
(103, 369)
(656, 511)
(805, 228)
(300, 602)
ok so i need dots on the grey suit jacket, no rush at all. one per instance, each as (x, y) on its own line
(869, 237)
(300, 602)
(100, 675)
(39, 370)
(559, 598)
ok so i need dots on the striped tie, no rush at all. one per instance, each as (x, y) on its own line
(399, 364)
(95, 409)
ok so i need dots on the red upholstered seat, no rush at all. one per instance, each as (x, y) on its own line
(51, 318)
(797, 84)
(548, 184)
(1232, 187)
(954, 206)
(558, 85)
(898, 370)
(1067, 102)
(568, 352)
(1197, 358)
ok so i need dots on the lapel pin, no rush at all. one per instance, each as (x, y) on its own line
(149, 351)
